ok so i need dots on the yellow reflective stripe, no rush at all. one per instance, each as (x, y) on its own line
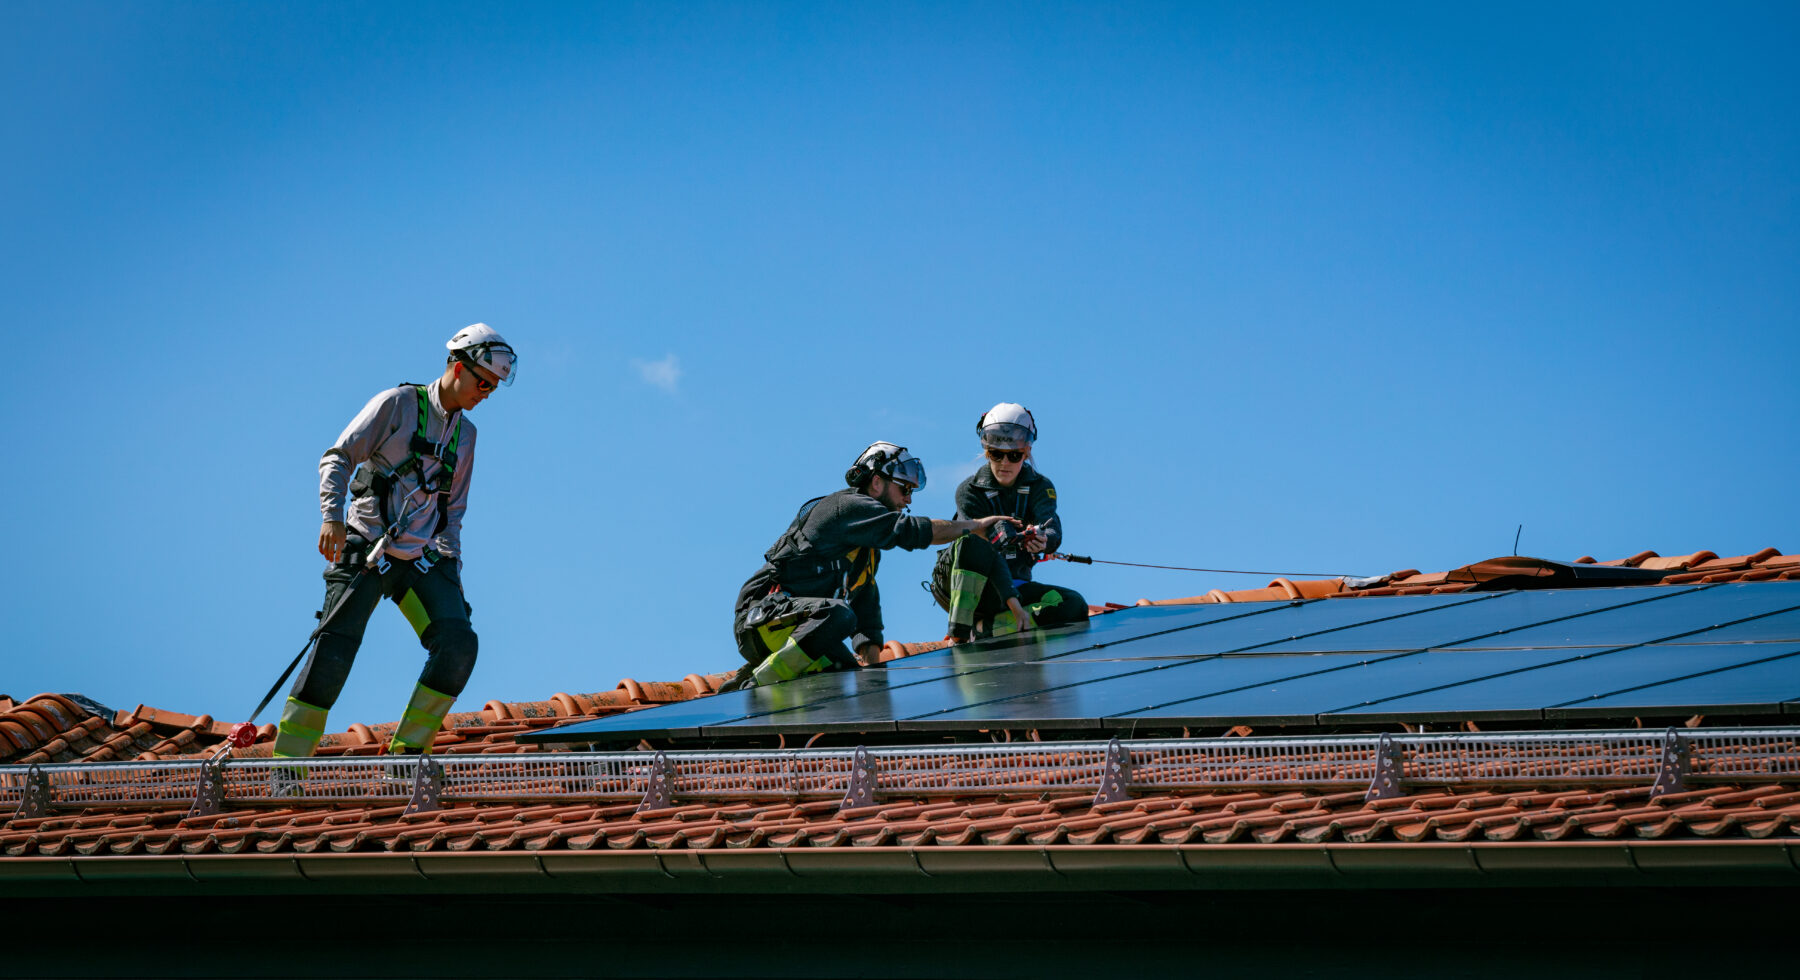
(775, 637)
(965, 595)
(862, 574)
(414, 611)
(420, 722)
(784, 664)
(302, 726)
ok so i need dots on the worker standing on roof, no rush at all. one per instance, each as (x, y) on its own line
(981, 581)
(412, 453)
(816, 587)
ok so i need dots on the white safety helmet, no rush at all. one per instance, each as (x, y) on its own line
(889, 460)
(1007, 426)
(480, 344)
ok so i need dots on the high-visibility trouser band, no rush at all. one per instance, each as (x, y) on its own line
(775, 635)
(302, 726)
(420, 722)
(965, 595)
(414, 611)
(1049, 600)
(786, 664)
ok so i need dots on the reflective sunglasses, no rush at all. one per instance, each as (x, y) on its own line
(1010, 455)
(906, 489)
(481, 383)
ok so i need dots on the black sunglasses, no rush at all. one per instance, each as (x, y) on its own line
(481, 383)
(1010, 455)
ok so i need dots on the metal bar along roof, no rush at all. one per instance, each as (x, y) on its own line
(1530, 759)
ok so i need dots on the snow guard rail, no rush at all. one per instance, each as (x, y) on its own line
(1381, 765)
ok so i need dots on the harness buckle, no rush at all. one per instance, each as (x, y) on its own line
(381, 563)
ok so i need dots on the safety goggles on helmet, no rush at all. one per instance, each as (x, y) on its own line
(891, 461)
(906, 469)
(1007, 425)
(481, 345)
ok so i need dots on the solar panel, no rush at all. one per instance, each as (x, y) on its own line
(1528, 655)
(1103, 633)
(1760, 686)
(1487, 623)
(1683, 611)
(1335, 682)
(1279, 622)
(1584, 676)
(1781, 627)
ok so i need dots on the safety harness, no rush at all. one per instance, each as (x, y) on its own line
(793, 567)
(369, 480)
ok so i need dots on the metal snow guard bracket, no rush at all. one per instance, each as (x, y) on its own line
(1588, 758)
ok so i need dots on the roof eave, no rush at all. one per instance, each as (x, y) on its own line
(902, 870)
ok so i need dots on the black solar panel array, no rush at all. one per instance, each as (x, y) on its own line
(1520, 656)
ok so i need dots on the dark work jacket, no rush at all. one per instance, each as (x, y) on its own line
(1031, 499)
(831, 550)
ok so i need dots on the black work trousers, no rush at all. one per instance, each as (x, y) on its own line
(819, 626)
(432, 602)
(972, 563)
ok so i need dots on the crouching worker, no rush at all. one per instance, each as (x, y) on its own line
(981, 581)
(413, 453)
(816, 589)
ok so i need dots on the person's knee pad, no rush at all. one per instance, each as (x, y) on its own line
(453, 647)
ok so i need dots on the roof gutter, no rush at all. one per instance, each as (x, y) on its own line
(877, 870)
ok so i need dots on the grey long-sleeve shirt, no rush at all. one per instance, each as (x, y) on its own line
(381, 434)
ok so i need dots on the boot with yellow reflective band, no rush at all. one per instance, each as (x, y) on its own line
(420, 722)
(302, 726)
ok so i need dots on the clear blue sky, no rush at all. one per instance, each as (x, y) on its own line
(1288, 286)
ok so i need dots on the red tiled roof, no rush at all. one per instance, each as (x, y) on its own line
(53, 728)
(1701, 566)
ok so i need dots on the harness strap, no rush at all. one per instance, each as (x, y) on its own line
(381, 485)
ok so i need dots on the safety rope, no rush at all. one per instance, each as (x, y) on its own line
(1084, 560)
(243, 734)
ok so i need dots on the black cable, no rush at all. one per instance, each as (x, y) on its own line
(1084, 560)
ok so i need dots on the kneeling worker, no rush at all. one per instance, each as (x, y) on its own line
(404, 523)
(816, 588)
(980, 581)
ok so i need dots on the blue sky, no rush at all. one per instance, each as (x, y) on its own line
(1288, 286)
